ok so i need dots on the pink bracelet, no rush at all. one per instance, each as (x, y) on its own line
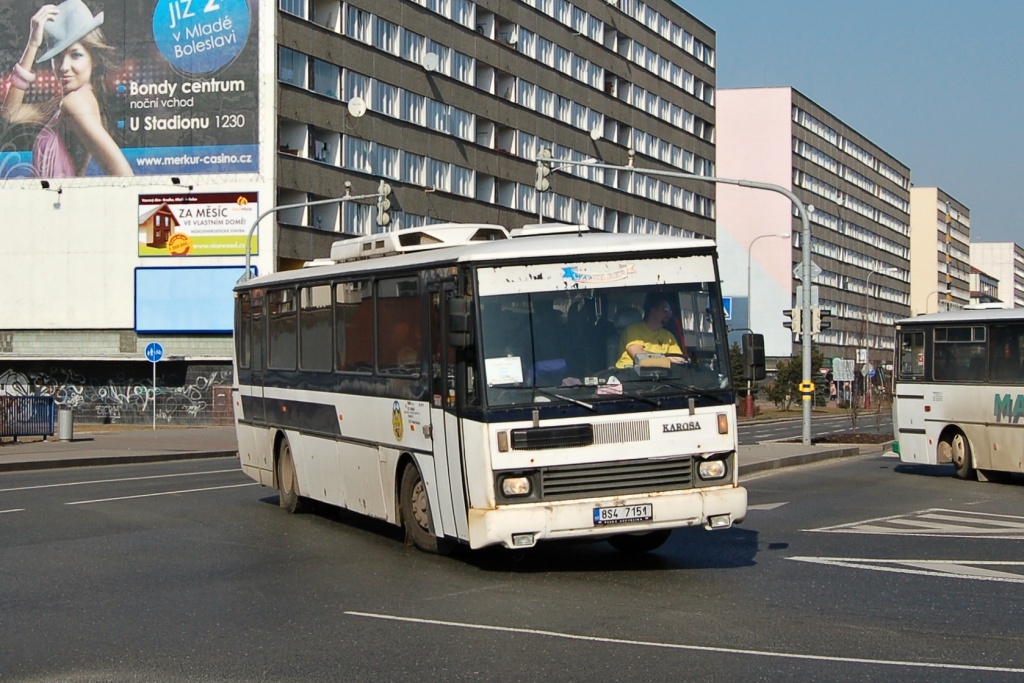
(22, 79)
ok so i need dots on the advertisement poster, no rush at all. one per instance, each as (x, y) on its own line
(128, 87)
(203, 224)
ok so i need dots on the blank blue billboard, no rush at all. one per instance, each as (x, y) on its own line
(185, 299)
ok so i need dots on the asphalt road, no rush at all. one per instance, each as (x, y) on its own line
(850, 570)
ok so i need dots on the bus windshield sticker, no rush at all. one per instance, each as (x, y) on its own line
(586, 274)
(504, 370)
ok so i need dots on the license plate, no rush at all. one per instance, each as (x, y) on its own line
(623, 514)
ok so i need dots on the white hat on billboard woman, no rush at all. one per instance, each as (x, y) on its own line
(74, 21)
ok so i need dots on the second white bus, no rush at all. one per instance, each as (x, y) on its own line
(959, 391)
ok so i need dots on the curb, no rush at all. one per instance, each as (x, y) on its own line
(99, 460)
(799, 459)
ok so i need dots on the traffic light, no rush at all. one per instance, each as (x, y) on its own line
(753, 356)
(795, 324)
(820, 319)
(825, 322)
(383, 203)
(543, 171)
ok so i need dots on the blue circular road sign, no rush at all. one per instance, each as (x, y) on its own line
(154, 351)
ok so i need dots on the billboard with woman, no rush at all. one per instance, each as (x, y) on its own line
(128, 87)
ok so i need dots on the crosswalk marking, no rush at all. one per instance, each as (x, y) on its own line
(937, 522)
(977, 570)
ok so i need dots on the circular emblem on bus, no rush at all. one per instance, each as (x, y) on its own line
(396, 420)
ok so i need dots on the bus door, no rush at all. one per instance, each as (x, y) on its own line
(911, 395)
(250, 364)
(449, 464)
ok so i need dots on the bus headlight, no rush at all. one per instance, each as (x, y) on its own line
(515, 487)
(711, 469)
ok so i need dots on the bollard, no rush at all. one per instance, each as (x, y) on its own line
(65, 424)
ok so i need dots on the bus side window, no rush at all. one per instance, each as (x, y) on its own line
(353, 320)
(283, 337)
(399, 326)
(1006, 358)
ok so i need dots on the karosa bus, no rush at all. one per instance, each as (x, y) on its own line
(959, 392)
(460, 380)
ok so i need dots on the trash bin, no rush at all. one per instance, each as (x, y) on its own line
(65, 424)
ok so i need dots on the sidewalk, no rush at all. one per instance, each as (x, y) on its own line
(123, 446)
(118, 447)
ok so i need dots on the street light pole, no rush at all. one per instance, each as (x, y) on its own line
(348, 197)
(749, 404)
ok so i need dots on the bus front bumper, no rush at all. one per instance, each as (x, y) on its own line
(523, 525)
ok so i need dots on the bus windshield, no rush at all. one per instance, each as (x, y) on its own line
(540, 346)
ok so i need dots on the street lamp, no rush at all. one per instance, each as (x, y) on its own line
(749, 406)
(867, 292)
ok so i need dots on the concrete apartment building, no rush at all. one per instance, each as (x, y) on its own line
(226, 114)
(984, 288)
(860, 225)
(1003, 261)
(940, 245)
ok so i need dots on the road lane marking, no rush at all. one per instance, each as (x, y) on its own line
(162, 493)
(695, 648)
(110, 481)
(766, 506)
(976, 570)
(937, 522)
(3, 512)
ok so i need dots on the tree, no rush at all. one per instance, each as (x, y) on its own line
(737, 363)
(789, 374)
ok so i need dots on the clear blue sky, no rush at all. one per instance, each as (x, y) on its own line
(938, 84)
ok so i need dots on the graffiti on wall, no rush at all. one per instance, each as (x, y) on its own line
(186, 395)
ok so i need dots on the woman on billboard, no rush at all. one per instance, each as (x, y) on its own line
(74, 131)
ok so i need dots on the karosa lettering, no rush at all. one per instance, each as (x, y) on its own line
(691, 426)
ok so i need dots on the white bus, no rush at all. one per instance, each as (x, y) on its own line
(462, 382)
(959, 392)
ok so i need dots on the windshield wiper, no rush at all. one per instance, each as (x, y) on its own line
(705, 393)
(546, 392)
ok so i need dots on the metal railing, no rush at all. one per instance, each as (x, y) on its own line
(26, 416)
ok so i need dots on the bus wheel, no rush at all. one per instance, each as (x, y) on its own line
(287, 486)
(416, 511)
(960, 454)
(640, 543)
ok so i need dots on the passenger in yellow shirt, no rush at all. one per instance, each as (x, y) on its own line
(649, 335)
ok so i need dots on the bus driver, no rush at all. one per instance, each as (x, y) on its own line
(649, 335)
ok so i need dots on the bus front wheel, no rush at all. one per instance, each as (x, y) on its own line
(640, 543)
(416, 511)
(959, 452)
(287, 482)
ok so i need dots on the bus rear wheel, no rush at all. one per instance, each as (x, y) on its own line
(287, 482)
(419, 530)
(640, 543)
(960, 454)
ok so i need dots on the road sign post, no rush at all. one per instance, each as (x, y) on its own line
(154, 352)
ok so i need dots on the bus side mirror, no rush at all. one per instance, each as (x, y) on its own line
(460, 322)
(753, 356)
